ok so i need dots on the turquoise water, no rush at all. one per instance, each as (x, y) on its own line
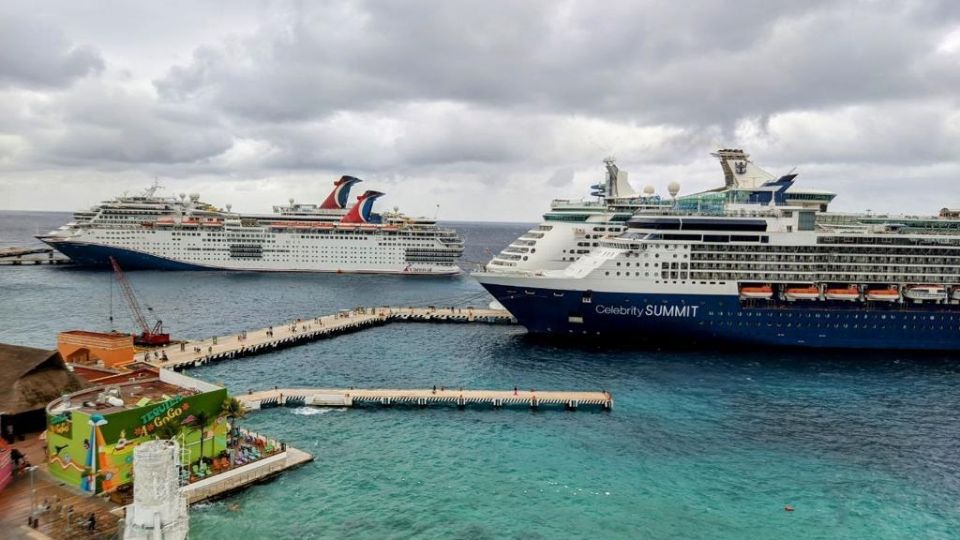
(699, 445)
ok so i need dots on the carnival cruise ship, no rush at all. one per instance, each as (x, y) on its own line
(151, 232)
(755, 270)
(574, 228)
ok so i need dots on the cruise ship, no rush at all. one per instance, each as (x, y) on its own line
(152, 232)
(757, 270)
(573, 228)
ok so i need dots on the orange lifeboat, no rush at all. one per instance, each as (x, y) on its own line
(890, 294)
(851, 293)
(802, 293)
(763, 292)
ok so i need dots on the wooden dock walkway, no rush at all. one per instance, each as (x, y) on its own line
(339, 397)
(247, 343)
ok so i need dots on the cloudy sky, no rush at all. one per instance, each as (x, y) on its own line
(487, 108)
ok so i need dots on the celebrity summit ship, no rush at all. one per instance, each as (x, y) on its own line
(573, 228)
(753, 268)
(152, 232)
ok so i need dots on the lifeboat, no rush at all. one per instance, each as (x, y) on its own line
(802, 293)
(956, 293)
(850, 293)
(890, 294)
(925, 292)
(763, 292)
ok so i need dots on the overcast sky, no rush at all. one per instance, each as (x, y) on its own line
(487, 108)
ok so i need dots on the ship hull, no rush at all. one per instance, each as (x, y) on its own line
(665, 320)
(97, 255)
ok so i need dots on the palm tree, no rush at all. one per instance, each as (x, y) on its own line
(170, 431)
(234, 410)
(201, 420)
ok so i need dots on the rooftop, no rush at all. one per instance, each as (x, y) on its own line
(120, 397)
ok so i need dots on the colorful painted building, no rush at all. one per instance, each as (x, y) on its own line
(91, 434)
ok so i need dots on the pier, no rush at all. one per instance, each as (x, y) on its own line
(338, 397)
(187, 354)
(31, 256)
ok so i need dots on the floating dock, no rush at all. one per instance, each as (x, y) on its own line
(248, 343)
(338, 397)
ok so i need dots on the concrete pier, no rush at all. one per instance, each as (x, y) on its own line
(195, 353)
(241, 477)
(31, 256)
(339, 397)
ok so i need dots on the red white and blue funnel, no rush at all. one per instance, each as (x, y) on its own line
(337, 199)
(362, 211)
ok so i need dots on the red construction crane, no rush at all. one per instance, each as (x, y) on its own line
(148, 336)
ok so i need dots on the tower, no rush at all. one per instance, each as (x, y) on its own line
(159, 509)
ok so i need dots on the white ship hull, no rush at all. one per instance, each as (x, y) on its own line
(348, 252)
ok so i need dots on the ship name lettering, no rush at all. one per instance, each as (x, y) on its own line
(649, 310)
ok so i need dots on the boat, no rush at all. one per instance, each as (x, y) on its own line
(678, 276)
(763, 292)
(573, 227)
(851, 293)
(925, 292)
(152, 232)
(889, 294)
(802, 293)
(956, 293)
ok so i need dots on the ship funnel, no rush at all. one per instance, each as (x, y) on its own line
(739, 171)
(362, 211)
(339, 197)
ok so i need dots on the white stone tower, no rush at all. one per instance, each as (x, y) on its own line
(159, 509)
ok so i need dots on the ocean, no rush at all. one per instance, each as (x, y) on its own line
(700, 445)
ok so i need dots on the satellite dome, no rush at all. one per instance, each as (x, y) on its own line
(648, 190)
(229, 207)
(194, 197)
(291, 201)
(673, 188)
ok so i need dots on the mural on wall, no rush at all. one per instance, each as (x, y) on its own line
(99, 457)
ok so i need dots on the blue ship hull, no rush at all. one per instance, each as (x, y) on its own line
(85, 254)
(696, 320)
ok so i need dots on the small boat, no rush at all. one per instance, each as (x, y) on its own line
(890, 294)
(764, 292)
(925, 292)
(802, 293)
(851, 293)
(956, 293)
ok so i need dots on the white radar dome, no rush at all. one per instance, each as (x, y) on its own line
(648, 190)
(673, 188)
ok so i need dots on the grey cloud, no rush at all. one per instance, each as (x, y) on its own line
(102, 124)
(34, 54)
(647, 61)
(561, 177)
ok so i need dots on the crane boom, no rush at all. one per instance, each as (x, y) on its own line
(149, 336)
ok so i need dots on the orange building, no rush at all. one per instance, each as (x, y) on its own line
(108, 350)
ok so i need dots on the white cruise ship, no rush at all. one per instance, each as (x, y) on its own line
(574, 228)
(152, 232)
(753, 270)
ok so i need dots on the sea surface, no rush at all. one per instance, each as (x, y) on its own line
(700, 445)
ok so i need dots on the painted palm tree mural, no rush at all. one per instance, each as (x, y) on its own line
(98, 466)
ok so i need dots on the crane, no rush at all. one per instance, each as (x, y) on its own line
(148, 336)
